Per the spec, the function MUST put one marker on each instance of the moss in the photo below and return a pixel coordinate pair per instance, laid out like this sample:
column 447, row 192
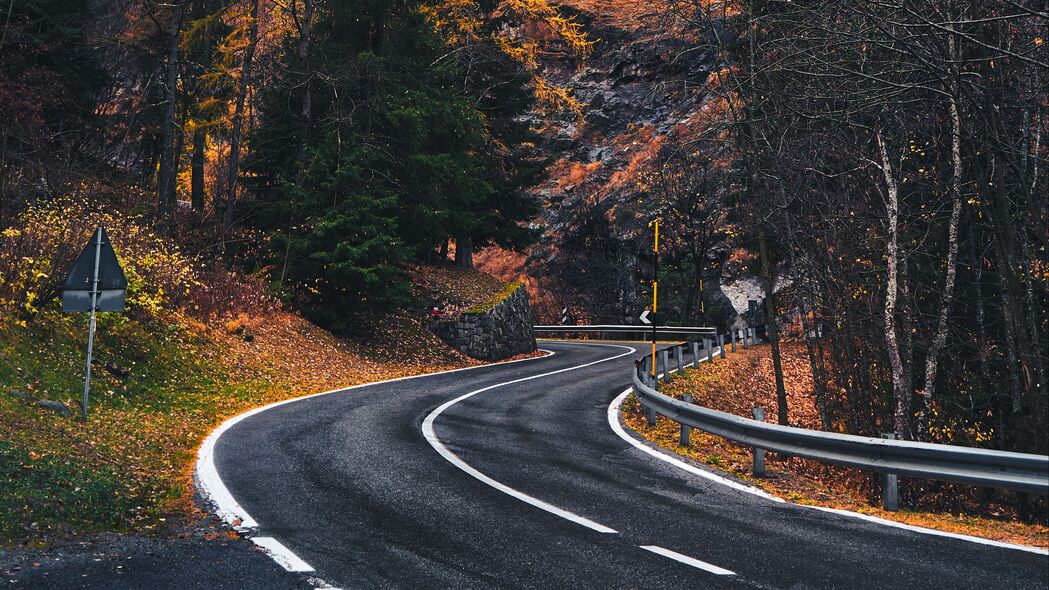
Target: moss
column 504, row 293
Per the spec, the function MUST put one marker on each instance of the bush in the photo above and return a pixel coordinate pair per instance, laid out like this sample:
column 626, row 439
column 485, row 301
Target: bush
column 39, row 247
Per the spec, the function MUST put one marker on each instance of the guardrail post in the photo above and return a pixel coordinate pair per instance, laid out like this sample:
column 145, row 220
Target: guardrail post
column 743, row 339
column 695, row 352
column 721, row 344
column 759, row 454
column 733, row 334
column 679, row 352
column 890, row 490
column 686, row 430
column 666, row 366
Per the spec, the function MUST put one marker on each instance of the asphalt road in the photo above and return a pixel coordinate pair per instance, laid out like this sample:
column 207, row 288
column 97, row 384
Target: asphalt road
column 349, row 483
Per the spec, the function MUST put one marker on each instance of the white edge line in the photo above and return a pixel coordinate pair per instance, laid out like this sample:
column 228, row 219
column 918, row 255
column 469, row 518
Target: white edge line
column 435, row 442
column 709, row 567
column 281, row 554
column 613, row 421
column 928, row 531
column 215, row 495
column 214, row 492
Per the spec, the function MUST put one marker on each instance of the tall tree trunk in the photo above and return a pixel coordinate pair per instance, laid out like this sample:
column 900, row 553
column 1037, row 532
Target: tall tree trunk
column 947, row 294
column 768, row 282
column 306, row 106
column 818, row 378
column 464, row 252
column 905, row 308
column 168, row 157
column 901, row 395
column 196, row 170
column 238, row 115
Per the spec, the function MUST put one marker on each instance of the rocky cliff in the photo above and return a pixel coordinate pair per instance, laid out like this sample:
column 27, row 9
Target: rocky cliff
column 645, row 93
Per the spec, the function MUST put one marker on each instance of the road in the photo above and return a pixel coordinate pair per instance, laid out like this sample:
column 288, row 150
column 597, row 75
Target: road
column 510, row 476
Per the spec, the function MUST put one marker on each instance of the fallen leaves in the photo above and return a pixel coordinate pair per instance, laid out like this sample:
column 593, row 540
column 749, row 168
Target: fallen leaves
column 744, row 380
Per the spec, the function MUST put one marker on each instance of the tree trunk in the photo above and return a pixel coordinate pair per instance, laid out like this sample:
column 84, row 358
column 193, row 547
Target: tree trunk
column 168, row 157
column 818, row 379
column 196, row 183
column 238, row 115
column 464, row 252
column 306, row 107
column 947, row 295
column 773, row 330
column 901, row 395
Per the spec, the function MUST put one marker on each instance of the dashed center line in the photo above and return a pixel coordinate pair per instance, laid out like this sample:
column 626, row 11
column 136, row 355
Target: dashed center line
column 708, row 567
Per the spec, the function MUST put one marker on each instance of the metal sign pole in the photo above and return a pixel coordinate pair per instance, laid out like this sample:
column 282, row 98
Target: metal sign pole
column 91, row 324
column 655, row 303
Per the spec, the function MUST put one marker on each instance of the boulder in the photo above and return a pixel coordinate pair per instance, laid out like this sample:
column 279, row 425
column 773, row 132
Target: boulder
column 56, row 407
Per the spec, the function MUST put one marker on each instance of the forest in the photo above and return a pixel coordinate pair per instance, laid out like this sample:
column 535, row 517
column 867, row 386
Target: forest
column 881, row 169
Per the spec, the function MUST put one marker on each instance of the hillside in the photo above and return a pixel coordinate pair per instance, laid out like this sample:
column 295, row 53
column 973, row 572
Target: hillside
column 645, row 100
column 164, row 376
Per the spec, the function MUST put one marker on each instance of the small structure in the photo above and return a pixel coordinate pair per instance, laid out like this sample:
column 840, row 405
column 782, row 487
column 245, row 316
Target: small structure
column 497, row 329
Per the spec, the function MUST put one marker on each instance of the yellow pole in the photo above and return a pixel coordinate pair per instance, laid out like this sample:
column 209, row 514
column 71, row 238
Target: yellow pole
column 702, row 306
column 655, row 294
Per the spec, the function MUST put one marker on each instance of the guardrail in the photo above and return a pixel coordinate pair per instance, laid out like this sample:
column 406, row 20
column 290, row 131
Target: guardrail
column 627, row 329
column 981, row 467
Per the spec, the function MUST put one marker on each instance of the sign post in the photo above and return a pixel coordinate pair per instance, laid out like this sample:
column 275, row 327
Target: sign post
column 655, row 296
column 95, row 283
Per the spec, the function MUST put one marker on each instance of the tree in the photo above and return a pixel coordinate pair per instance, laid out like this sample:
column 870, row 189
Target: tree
column 390, row 157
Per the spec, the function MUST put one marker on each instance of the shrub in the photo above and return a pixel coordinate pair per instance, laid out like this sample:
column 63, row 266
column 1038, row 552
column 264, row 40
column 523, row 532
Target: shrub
column 39, row 247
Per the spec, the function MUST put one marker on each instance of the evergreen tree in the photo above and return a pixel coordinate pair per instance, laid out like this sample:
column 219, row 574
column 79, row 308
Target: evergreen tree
column 395, row 158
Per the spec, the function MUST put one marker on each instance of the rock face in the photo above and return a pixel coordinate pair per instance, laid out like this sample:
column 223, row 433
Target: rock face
column 503, row 331
column 56, row 407
column 644, row 95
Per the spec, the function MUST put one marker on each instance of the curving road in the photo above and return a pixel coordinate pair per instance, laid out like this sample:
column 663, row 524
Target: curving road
column 511, row 476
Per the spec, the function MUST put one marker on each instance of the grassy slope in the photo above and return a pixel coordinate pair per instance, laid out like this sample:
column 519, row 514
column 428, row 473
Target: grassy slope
column 745, row 380
column 129, row 468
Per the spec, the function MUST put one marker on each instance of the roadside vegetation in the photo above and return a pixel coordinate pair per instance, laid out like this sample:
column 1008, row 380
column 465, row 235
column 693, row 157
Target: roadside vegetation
column 744, row 380
column 194, row 347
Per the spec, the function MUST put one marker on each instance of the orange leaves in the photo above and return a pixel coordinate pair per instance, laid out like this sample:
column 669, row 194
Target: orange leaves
column 745, row 380
column 461, row 22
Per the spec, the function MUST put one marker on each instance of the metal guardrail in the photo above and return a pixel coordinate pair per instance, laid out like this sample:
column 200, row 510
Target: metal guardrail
column 981, row 467
column 626, row 329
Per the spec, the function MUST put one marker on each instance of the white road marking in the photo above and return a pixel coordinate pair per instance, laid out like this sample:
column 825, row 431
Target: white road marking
column 928, row 531
column 281, row 554
column 613, row 421
column 216, row 495
column 454, row 459
column 709, row 567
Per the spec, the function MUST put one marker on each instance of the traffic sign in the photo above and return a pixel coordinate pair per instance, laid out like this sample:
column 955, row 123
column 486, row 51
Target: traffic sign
column 78, row 288
column 644, row 317
column 95, row 283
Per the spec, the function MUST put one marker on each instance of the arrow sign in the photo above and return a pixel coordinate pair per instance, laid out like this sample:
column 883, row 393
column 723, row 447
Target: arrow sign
column 644, row 317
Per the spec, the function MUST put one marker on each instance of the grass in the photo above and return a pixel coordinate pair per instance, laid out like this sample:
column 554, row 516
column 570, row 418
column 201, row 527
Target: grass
column 507, row 290
column 60, row 495
column 124, row 468
column 170, row 380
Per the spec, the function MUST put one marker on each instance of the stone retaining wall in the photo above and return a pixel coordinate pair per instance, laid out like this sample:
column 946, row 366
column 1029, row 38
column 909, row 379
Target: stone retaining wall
column 503, row 331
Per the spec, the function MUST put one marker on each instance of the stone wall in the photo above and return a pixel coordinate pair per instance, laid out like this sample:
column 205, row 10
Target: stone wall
column 496, row 333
